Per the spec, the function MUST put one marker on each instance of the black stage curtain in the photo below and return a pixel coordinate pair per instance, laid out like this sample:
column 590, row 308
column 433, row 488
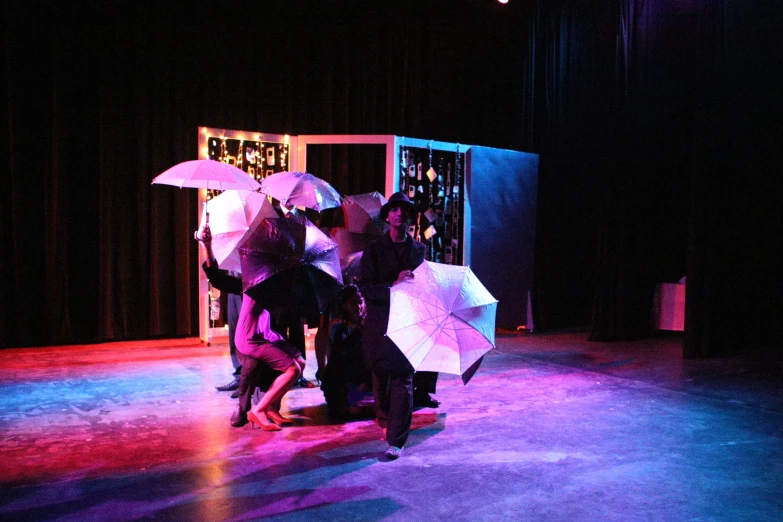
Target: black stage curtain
column 655, row 121
column 102, row 96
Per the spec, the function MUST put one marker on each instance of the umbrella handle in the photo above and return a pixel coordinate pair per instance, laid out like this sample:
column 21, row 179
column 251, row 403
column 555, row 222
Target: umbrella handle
column 206, row 203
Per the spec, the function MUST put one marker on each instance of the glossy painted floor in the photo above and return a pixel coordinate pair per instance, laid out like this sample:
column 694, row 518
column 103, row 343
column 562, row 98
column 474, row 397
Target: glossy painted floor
column 551, row 428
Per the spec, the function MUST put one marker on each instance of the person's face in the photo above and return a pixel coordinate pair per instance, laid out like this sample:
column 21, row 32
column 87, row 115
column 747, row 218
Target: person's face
column 398, row 217
column 354, row 308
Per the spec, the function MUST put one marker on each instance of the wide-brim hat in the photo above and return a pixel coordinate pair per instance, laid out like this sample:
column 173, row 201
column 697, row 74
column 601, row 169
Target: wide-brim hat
column 398, row 199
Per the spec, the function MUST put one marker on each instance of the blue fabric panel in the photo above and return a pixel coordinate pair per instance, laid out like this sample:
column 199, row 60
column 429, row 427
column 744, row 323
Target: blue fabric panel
column 502, row 188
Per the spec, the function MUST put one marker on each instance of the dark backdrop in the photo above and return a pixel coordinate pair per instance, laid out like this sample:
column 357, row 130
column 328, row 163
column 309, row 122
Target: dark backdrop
column 656, row 122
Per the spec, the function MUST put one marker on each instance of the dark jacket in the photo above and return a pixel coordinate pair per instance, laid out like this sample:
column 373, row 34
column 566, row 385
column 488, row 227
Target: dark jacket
column 380, row 267
column 221, row 279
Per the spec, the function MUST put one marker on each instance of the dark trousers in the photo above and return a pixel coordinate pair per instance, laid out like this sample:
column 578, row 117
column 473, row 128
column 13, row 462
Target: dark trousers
column 394, row 405
column 292, row 329
column 296, row 336
column 424, row 383
column 255, row 374
column 232, row 316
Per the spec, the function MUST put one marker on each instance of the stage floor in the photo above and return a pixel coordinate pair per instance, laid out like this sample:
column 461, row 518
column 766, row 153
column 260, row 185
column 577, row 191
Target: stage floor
column 552, row 427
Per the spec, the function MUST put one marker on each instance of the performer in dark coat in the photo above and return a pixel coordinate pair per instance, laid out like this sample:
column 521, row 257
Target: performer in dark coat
column 389, row 260
column 232, row 287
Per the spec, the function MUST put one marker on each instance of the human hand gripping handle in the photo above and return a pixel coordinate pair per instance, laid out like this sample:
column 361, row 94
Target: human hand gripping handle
column 204, row 236
column 405, row 276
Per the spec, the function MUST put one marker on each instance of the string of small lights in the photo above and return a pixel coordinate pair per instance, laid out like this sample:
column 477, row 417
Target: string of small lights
column 257, row 158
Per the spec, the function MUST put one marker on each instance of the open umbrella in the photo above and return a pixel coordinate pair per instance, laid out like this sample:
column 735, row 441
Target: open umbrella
column 301, row 189
column 350, row 246
column 351, row 267
column 235, row 214
column 207, row 174
column 290, row 263
column 443, row 320
column 349, row 242
column 362, row 213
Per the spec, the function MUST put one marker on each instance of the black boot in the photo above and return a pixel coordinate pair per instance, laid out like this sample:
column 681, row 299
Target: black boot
column 233, row 385
column 238, row 418
column 424, row 401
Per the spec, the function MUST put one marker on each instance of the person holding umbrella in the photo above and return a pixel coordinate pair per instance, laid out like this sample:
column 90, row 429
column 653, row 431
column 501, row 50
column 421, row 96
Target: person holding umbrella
column 387, row 261
column 268, row 361
column 232, row 286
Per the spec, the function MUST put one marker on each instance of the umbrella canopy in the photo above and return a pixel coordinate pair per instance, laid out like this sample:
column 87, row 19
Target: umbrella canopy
column 443, row 320
column 301, row 189
column 351, row 267
column 348, row 242
column 350, row 247
column 208, row 174
column 363, row 213
column 234, row 214
column 290, row 263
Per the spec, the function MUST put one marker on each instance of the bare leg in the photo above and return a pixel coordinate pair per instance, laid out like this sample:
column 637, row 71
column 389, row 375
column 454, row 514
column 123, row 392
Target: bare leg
column 273, row 414
column 279, row 387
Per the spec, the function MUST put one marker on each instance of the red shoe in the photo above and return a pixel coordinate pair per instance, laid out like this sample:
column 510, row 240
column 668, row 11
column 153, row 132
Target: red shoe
column 278, row 419
column 264, row 425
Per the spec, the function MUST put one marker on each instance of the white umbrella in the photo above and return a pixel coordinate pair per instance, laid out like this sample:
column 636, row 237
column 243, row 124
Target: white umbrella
column 443, row 320
column 233, row 216
column 363, row 213
column 207, row 174
column 301, row 189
